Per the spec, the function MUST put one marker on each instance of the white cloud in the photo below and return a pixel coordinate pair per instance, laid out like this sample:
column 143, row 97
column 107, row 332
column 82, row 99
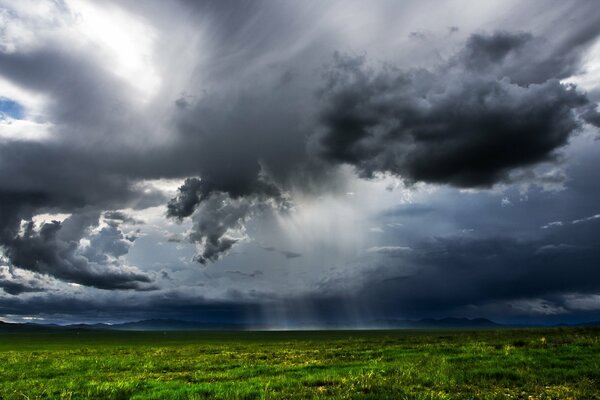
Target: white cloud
column 24, row 130
column 389, row 250
column 125, row 39
column 593, row 217
column 552, row 224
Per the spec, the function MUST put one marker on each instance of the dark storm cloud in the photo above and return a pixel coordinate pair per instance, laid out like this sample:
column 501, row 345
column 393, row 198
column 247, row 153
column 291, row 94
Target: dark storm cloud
column 454, row 275
column 82, row 167
column 483, row 53
column 250, row 114
column 54, row 250
column 449, row 276
column 189, row 195
column 525, row 58
column 17, row 288
column 36, row 178
column 215, row 217
column 84, row 95
column 215, row 213
column 267, row 125
column 468, row 123
column 504, row 265
column 497, row 263
column 88, row 161
column 170, row 305
column 16, row 285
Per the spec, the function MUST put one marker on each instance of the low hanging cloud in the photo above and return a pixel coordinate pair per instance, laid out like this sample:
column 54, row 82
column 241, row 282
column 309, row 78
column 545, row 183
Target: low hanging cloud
column 218, row 224
column 14, row 284
column 468, row 123
column 218, row 217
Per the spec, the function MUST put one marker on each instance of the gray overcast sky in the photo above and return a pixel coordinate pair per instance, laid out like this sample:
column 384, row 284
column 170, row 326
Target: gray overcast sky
column 299, row 163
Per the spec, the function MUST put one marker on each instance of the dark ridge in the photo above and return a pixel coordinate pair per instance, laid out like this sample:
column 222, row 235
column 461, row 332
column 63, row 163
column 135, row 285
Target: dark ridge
column 182, row 325
column 439, row 323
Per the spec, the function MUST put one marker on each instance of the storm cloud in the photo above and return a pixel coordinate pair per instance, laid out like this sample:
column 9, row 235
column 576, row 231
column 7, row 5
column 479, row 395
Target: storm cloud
column 468, row 123
column 54, row 250
column 15, row 285
column 321, row 161
column 218, row 217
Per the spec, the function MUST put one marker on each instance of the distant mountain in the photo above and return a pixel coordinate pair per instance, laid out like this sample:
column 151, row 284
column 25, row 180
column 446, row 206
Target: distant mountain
column 431, row 323
column 16, row 328
column 181, row 325
column 88, row 326
column 173, row 325
column 590, row 323
column 458, row 323
column 144, row 325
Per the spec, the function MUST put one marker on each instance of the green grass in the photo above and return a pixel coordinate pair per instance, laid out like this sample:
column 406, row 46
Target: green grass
column 558, row 363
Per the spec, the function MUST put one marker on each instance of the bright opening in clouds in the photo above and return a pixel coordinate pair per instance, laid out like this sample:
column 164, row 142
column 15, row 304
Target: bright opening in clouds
column 299, row 163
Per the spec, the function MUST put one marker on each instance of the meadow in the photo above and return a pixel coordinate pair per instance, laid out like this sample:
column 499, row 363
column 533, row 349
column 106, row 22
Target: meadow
column 549, row 363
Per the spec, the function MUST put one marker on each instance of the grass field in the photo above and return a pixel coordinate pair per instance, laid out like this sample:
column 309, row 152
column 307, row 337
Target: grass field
column 558, row 363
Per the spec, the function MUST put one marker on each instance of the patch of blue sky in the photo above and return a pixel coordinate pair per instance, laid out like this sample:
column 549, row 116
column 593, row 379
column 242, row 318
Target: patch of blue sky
column 10, row 108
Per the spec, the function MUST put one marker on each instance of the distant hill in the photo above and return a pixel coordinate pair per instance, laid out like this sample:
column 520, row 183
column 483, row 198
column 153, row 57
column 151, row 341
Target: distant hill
column 98, row 327
column 173, row 325
column 16, row 328
column 590, row 323
column 431, row 323
column 181, row 325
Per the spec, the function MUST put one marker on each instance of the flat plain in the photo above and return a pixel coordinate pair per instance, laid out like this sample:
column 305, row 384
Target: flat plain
column 540, row 363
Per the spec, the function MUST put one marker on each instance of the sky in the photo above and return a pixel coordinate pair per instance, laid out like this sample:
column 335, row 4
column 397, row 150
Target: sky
column 294, row 164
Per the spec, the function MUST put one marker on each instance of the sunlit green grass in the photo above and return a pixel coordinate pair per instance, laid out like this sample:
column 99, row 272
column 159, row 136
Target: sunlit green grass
column 523, row 364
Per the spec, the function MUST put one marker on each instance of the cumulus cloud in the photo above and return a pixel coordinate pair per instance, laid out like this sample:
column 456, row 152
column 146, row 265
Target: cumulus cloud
column 218, row 224
column 468, row 123
column 16, row 288
column 15, row 284
column 218, row 217
column 55, row 250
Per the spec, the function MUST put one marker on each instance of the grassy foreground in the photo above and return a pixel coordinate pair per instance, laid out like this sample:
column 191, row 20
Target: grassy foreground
column 559, row 363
